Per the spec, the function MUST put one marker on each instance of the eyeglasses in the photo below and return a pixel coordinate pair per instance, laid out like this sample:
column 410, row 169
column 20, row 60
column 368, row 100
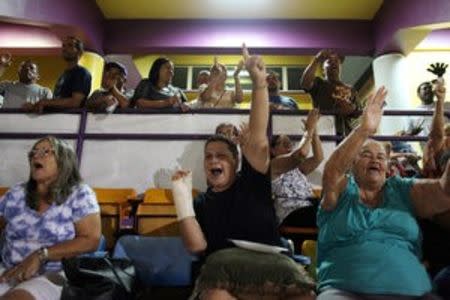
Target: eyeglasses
column 40, row 153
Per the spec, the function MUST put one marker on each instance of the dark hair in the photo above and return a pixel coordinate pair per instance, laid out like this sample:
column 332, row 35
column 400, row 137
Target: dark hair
column 28, row 61
column 276, row 74
column 68, row 174
column 421, row 85
column 116, row 65
column 274, row 140
column 78, row 43
column 153, row 74
column 223, row 139
column 222, row 125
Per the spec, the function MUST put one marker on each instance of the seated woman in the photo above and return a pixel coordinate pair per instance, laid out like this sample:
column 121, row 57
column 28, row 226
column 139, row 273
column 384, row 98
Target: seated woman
column 238, row 205
column 291, row 189
column 369, row 239
column 216, row 95
column 51, row 216
column 157, row 91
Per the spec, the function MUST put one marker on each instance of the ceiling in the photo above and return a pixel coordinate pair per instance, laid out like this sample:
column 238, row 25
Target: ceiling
column 240, row 9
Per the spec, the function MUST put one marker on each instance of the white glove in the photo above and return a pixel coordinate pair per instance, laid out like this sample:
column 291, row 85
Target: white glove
column 182, row 194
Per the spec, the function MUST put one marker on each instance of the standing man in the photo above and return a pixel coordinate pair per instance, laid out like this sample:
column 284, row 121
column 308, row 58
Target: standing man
column 330, row 93
column 74, row 85
column 25, row 92
column 426, row 92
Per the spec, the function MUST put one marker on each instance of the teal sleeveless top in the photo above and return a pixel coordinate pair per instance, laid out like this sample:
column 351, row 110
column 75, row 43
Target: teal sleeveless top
column 372, row 250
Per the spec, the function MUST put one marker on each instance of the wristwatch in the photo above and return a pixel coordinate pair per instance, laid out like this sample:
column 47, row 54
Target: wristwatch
column 43, row 255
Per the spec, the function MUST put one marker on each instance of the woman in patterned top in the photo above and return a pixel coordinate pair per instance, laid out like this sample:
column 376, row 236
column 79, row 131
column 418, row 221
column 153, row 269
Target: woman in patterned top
column 51, row 216
column 290, row 187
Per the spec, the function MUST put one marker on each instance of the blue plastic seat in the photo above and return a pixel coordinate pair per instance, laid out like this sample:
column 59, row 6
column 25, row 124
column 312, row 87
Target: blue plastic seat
column 159, row 261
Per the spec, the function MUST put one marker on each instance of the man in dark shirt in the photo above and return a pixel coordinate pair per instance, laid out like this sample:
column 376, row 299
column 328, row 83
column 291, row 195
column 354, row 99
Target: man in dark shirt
column 330, row 93
column 277, row 101
column 74, row 85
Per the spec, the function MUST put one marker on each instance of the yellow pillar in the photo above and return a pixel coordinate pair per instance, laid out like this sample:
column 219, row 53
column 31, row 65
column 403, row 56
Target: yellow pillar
column 94, row 63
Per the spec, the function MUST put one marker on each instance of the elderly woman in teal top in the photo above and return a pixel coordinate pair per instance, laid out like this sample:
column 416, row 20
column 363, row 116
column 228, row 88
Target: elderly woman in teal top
column 369, row 240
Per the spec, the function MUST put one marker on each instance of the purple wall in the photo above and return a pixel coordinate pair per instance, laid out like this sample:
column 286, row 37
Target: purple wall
column 17, row 39
column 81, row 18
column 437, row 39
column 399, row 14
column 295, row 37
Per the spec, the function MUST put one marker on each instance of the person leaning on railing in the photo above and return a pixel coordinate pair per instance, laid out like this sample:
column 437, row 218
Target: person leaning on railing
column 74, row 85
column 157, row 92
column 112, row 93
column 24, row 92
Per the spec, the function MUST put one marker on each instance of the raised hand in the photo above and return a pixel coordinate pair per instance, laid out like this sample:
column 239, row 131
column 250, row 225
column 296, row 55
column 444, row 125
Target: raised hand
column 182, row 194
column 218, row 73
column 438, row 69
column 439, row 89
column 110, row 100
column 244, row 132
column 311, row 121
column 373, row 111
column 239, row 68
column 323, row 55
column 255, row 67
column 5, row 59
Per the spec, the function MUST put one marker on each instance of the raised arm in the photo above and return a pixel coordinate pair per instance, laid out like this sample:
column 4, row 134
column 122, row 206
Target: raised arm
column 311, row 163
column 215, row 79
column 436, row 141
column 426, row 206
column 298, row 157
column 307, row 80
column 5, row 62
column 341, row 159
column 190, row 230
column 238, row 94
column 256, row 150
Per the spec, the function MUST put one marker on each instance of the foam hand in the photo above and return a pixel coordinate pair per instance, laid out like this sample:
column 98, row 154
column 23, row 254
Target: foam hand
column 438, row 69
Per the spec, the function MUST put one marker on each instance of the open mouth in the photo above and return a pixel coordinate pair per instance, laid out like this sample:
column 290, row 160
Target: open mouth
column 374, row 169
column 216, row 171
column 37, row 165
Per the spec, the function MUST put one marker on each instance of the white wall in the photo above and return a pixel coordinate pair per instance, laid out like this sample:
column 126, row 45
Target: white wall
column 132, row 163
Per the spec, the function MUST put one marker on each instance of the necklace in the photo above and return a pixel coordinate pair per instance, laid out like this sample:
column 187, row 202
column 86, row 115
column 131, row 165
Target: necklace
column 220, row 98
